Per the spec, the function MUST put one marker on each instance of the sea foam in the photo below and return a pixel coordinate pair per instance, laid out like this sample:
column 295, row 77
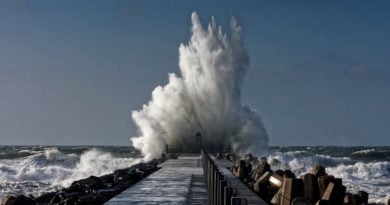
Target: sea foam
column 51, row 169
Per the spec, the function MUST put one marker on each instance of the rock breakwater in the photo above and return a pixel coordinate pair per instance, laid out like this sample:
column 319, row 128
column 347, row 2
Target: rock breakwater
column 89, row 191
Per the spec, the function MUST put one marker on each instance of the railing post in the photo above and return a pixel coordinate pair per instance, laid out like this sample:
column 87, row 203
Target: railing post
column 239, row 201
column 218, row 188
column 219, row 178
column 215, row 186
column 222, row 185
column 229, row 193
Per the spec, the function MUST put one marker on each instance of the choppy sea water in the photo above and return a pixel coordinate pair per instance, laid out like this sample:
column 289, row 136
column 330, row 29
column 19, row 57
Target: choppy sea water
column 361, row 168
column 38, row 169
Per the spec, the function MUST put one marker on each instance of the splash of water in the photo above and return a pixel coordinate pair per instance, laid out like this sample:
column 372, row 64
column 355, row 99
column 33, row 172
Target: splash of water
column 206, row 98
column 51, row 169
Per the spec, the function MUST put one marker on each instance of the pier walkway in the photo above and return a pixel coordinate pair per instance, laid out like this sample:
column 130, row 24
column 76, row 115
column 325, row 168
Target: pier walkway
column 179, row 181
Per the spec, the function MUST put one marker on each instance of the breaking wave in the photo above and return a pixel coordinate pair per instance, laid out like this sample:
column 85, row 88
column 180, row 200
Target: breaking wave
column 51, row 169
column 206, row 97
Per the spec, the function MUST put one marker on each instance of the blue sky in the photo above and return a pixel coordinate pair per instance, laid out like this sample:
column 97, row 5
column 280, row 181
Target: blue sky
column 71, row 72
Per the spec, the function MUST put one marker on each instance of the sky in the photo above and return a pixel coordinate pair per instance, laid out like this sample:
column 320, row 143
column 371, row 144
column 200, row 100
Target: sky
column 71, row 72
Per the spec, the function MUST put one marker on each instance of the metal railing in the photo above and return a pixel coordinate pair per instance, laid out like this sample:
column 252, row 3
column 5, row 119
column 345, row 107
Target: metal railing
column 172, row 148
column 219, row 188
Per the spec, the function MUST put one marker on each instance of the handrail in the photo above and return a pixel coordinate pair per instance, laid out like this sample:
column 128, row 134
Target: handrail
column 211, row 148
column 219, row 188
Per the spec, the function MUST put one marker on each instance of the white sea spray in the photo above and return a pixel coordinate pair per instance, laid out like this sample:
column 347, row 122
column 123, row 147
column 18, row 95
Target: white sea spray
column 51, row 169
column 205, row 97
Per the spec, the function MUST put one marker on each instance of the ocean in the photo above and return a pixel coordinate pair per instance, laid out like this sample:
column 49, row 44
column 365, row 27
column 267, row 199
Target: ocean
column 39, row 169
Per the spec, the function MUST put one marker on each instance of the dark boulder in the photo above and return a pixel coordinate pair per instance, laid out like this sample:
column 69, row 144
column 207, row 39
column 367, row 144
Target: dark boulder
column 18, row 200
column 91, row 199
column 45, row 198
column 7, row 200
column 23, row 200
column 87, row 185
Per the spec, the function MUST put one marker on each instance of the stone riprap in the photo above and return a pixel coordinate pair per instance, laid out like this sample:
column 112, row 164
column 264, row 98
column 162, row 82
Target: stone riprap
column 282, row 187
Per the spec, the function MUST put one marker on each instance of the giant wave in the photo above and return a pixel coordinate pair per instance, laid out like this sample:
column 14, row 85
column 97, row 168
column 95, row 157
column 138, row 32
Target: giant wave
column 206, row 97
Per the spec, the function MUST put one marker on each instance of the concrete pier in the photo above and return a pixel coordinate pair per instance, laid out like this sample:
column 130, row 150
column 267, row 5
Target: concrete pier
column 182, row 181
column 179, row 181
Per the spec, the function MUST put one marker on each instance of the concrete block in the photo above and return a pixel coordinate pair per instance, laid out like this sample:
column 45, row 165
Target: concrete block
column 363, row 197
column 275, row 162
column 347, row 199
column 288, row 174
column 260, row 170
column 265, row 177
column 276, row 180
column 334, row 194
column 311, row 190
column 341, row 190
column 323, row 182
column 301, row 201
column 323, row 202
column 242, row 169
column 291, row 189
column 260, row 186
column 356, row 199
column 279, row 172
column 318, row 170
column 276, row 198
column 235, row 170
column 338, row 181
column 329, row 192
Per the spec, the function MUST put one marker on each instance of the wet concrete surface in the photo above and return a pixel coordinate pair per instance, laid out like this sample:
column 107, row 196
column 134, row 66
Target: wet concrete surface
column 179, row 181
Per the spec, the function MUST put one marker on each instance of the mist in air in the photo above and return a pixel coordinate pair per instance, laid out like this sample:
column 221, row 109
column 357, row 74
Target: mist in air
column 205, row 97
